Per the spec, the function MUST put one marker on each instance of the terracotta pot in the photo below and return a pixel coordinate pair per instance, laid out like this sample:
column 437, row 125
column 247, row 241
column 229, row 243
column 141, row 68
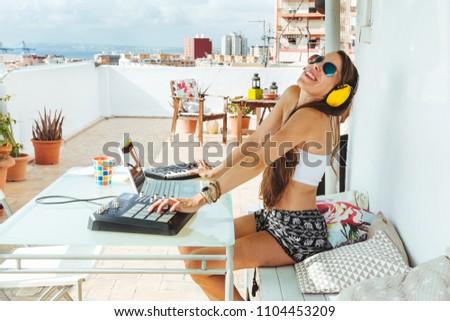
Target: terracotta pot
column 3, row 173
column 18, row 171
column 4, row 151
column 186, row 126
column 4, row 165
column 46, row 152
column 233, row 121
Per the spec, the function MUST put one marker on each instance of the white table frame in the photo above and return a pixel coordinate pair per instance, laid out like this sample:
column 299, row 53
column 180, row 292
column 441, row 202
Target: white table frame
column 216, row 218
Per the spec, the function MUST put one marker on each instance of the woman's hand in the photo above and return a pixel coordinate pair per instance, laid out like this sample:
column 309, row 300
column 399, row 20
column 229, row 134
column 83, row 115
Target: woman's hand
column 175, row 204
column 204, row 170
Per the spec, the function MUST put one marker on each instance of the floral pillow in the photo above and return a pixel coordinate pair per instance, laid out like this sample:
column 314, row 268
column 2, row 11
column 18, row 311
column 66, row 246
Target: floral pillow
column 346, row 223
column 185, row 88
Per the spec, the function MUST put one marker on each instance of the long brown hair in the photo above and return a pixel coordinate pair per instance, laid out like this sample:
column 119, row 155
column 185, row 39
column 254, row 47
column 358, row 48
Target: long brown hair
column 279, row 173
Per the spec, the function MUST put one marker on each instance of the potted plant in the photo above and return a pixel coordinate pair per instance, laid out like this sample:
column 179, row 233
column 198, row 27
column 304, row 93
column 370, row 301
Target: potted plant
column 5, row 146
column 47, row 137
column 17, row 172
column 233, row 119
column 6, row 161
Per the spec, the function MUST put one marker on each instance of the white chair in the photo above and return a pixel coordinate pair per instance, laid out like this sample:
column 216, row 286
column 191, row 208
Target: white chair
column 57, row 285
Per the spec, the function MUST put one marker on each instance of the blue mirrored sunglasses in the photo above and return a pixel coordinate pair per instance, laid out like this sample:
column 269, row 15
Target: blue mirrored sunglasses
column 328, row 68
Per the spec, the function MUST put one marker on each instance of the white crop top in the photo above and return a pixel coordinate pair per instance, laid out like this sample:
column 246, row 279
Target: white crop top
column 310, row 168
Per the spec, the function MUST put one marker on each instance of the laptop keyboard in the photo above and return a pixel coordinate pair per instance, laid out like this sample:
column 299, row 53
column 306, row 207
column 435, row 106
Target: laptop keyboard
column 160, row 189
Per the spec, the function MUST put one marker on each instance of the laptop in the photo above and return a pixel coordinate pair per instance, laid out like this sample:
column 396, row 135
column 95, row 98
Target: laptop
column 129, row 212
column 149, row 185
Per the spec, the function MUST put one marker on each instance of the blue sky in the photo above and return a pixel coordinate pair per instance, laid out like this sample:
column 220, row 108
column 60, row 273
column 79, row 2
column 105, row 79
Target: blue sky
column 155, row 23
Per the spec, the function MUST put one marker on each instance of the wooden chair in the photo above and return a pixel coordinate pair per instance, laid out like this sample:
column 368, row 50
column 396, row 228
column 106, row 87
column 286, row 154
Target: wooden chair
column 189, row 104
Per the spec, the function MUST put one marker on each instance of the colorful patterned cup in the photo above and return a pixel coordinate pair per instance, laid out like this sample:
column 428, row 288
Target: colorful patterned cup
column 103, row 170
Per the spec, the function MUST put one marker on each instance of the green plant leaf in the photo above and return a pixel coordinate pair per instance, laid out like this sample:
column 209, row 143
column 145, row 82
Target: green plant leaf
column 48, row 127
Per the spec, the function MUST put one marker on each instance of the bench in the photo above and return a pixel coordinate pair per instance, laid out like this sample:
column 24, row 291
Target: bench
column 279, row 284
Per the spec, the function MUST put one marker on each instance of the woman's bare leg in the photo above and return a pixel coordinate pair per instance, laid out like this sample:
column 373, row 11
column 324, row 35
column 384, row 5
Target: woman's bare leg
column 257, row 249
column 243, row 225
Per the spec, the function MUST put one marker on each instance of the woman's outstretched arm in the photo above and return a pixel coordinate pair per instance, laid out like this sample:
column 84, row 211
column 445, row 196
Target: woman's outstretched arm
column 256, row 140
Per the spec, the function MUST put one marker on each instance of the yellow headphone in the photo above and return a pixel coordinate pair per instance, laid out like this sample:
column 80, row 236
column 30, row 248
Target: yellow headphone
column 339, row 95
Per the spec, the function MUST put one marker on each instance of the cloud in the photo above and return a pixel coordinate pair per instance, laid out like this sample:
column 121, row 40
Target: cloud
column 146, row 22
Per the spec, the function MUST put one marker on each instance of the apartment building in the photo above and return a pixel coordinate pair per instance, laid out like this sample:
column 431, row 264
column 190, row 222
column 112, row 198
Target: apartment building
column 234, row 44
column 198, row 47
column 300, row 30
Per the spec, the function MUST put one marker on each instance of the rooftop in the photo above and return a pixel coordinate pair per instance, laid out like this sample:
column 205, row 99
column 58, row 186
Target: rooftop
column 399, row 122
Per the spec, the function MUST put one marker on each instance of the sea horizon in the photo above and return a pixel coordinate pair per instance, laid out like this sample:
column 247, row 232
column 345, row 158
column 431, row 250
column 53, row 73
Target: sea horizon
column 88, row 54
column 87, row 51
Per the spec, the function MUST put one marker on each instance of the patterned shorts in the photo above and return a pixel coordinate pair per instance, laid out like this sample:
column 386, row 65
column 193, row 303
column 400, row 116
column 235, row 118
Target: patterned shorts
column 300, row 233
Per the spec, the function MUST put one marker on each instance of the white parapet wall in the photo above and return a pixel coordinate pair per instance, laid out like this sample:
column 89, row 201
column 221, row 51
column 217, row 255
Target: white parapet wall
column 86, row 93
column 145, row 90
column 73, row 88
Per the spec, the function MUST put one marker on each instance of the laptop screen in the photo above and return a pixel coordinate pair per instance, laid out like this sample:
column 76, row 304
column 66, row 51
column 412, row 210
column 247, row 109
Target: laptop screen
column 137, row 172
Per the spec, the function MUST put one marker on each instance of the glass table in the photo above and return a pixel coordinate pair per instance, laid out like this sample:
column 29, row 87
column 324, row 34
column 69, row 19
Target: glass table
column 66, row 224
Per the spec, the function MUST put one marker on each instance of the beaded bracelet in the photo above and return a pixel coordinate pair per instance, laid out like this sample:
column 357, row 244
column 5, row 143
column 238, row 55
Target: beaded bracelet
column 217, row 189
column 212, row 192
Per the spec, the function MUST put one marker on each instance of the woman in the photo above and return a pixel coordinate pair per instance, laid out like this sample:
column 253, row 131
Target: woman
column 291, row 148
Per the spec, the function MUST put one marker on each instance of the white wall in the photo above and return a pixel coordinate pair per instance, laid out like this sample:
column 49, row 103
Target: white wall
column 72, row 88
column 399, row 133
column 86, row 93
column 145, row 90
